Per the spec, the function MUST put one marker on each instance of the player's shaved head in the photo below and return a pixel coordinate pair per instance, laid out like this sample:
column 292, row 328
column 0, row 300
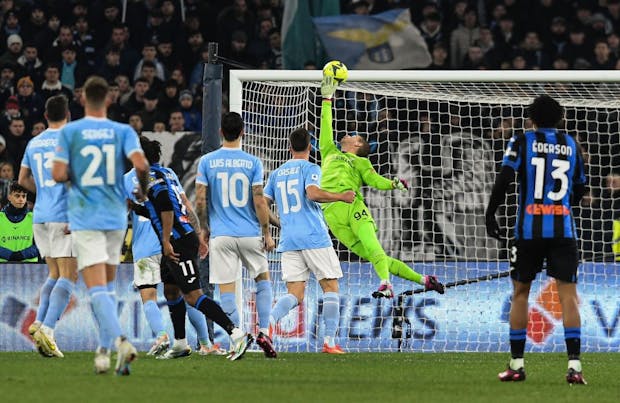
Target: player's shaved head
column 56, row 108
column 232, row 126
column 546, row 112
column 299, row 139
column 151, row 148
column 96, row 91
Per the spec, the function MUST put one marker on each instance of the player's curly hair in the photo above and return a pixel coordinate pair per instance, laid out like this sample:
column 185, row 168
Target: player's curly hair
column 151, row 148
column 546, row 112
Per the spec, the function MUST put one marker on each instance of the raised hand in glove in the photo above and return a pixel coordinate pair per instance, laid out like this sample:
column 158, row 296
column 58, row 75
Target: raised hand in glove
column 328, row 87
column 400, row 184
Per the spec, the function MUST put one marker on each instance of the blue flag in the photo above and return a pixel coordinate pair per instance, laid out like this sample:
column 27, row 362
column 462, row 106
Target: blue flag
column 385, row 41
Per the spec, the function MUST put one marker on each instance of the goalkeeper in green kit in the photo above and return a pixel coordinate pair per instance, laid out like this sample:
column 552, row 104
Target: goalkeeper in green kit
column 352, row 224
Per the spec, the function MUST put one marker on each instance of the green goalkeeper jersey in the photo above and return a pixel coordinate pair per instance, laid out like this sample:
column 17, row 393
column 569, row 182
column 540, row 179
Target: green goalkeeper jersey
column 344, row 171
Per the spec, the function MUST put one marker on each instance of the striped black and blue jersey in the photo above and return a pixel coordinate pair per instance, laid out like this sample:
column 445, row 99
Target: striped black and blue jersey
column 549, row 164
column 163, row 195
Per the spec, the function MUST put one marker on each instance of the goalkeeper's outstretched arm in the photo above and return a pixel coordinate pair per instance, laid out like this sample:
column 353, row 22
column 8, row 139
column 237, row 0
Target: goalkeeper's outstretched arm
column 373, row 179
column 326, row 137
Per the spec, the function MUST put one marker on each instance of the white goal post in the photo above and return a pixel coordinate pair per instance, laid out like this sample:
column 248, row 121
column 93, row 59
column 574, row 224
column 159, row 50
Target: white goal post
column 444, row 132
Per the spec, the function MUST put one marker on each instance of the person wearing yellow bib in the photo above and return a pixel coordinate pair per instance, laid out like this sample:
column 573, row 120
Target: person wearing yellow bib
column 16, row 235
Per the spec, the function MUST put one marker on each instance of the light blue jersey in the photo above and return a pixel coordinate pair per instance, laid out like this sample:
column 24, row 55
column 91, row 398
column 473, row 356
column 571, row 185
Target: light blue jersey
column 144, row 241
column 95, row 150
column 301, row 219
column 51, row 202
column 229, row 174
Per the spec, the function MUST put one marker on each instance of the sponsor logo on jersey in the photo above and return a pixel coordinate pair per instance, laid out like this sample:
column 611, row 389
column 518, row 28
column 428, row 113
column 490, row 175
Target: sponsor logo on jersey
column 546, row 209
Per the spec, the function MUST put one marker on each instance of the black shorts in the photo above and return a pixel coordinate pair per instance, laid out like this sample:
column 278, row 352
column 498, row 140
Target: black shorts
column 527, row 258
column 185, row 274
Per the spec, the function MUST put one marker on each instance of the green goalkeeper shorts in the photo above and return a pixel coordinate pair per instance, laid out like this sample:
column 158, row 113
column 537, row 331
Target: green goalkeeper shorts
column 344, row 220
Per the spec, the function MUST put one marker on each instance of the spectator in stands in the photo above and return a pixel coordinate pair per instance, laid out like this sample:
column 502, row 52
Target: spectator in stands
column 111, row 66
column 37, row 22
column 44, row 38
column 11, row 110
column 577, row 47
column 532, row 52
column 86, row 38
column 14, row 50
column 135, row 102
column 37, row 128
column 169, row 98
column 135, row 121
column 11, row 25
column 64, row 40
column 31, row 104
column 7, row 82
column 124, row 88
column 560, row 63
column 155, row 28
column 166, row 54
column 7, row 176
column 16, row 139
column 474, row 58
column 235, row 17
column 431, row 30
column 30, row 63
column 463, row 37
column 76, row 104
column 558, row 37
column 107, row 24
column 149, row 53
column 599, row 26
column 275, row 51
column 118, row 39
column 191, row 52
column 613, row 41
column 115, row 111
column 73, row 72
column 191, row 115
column 258, row 47
column 176, row 122
column 195, row 79
column 237, row 48
column 179, row 78
column 613, row 14
column 440, row 58
column 602, row 59
column 149, row 72
column 505, row 38
column 150, row 113
column 51, row 85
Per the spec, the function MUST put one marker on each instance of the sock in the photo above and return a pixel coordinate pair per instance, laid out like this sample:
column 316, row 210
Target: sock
column 105, row 315
column 58, row 301
column 111, row 287
column 44, row 298
column 517, row 343
column 264, row 300
column 153, row 317
column 282, row 307
column 400, row 269
column 574, row 364
column 212, row 310
column 177, row 316
column 199, row 322
column 376, row 254
column 572, row 338
column 230, row 307
column 331, row 316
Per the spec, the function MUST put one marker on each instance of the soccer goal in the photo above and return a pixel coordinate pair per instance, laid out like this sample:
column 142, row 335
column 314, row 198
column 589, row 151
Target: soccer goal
column 445, row 132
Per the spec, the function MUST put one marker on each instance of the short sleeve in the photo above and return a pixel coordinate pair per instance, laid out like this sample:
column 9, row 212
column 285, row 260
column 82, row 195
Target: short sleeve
column 131, row 143
column 312, row 176
column 201, row 172
column 26, row 159
column 268, row 191
column 62, row 148
column 257, row 177
column 512, row 156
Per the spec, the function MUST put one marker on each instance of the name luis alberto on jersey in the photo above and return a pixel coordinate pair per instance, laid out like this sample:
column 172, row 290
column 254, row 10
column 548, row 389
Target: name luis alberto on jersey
column 230, row 163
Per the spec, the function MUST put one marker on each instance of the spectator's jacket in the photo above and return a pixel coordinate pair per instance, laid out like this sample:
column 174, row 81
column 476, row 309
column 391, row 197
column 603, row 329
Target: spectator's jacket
column 16, row 235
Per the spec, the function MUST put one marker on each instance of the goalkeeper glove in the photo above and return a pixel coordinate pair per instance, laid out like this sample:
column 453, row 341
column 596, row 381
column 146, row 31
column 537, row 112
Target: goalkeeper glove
column 400, row 184
column 328, row 87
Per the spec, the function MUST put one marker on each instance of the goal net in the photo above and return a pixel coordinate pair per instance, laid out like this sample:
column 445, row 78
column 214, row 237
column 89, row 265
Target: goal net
column 445, row 133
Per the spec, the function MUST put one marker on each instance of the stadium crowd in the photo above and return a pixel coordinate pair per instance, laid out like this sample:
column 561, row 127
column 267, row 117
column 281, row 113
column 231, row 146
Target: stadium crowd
column 152, row 53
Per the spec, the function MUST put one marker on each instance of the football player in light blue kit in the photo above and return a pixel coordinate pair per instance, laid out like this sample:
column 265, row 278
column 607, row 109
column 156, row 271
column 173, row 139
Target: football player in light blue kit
column 238, row 215
column 146, row 251
column 50, row 226
column 304, row 240
column 91, row 154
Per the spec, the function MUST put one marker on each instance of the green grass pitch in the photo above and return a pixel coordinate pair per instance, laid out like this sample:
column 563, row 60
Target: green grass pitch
column 370, row 377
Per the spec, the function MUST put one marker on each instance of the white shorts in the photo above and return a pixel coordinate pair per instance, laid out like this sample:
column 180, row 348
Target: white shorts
column 323, row 262
column 147, row 271
column 227, row 254
column 51, row 239
column 93, row 247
